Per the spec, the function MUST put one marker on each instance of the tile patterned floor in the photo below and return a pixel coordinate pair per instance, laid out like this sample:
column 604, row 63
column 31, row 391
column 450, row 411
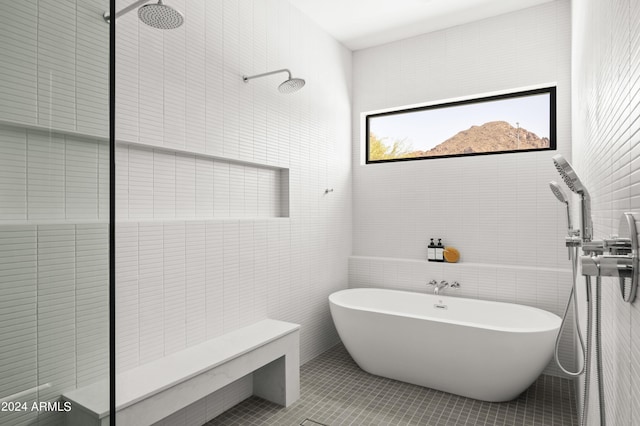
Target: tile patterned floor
column 335, row 391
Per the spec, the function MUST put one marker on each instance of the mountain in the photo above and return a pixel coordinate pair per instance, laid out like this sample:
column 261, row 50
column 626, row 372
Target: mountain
column 491, row 136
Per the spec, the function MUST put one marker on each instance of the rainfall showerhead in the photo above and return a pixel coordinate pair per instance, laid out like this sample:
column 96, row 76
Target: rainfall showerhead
column 574, row 183
column 290, row 85
column 156, row 15
column 160, row 16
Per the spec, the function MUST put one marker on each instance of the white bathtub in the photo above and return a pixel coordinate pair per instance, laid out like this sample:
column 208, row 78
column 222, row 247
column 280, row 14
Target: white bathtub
column 484, row 350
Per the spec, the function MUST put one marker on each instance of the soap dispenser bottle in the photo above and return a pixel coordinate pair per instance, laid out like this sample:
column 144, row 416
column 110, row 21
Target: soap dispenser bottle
column 439, row 251
column 431, row 251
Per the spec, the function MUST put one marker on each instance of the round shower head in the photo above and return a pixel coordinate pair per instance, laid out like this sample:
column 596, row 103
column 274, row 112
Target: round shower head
column 558, row 192
column 568, row 174
column 160, row 16
column 291, row 85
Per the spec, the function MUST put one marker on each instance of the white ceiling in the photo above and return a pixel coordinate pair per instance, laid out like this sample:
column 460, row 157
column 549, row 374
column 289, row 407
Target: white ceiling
column 359, row 24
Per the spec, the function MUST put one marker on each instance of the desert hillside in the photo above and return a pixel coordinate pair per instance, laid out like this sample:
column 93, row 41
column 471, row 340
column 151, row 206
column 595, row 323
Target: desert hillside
column 491, row 136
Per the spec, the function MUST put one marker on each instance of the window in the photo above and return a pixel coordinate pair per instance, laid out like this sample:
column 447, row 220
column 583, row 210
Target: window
column 506, row 123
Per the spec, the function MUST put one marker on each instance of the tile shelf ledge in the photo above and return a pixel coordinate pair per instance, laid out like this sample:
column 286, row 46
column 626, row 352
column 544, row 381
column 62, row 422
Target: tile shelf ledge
column 203, row 219
column 123, row 142
column 53, row 130
column 184, row 151
column 43, row 222
column 460, row 264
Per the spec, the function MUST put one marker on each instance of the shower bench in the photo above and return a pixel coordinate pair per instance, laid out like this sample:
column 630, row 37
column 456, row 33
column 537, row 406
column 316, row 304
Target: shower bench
column 150, row 392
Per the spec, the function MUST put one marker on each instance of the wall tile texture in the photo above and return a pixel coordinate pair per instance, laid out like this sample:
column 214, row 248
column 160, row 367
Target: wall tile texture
column 496, row 209
column 606, row 155
column 54, row 186
column 202, row 247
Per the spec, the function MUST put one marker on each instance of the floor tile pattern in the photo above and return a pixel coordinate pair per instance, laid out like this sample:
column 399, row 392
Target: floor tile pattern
column 335, row 391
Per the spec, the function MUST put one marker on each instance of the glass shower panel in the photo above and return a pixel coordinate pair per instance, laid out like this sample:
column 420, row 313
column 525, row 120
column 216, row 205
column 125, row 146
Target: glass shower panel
column 54, row 205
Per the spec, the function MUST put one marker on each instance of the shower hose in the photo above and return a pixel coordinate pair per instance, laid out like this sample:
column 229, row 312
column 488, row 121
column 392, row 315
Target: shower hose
column 586, row 351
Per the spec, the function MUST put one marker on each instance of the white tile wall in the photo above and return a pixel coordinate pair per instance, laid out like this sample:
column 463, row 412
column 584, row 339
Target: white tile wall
column 54, row 298
column 150, row 291
column 174, row 263
column 161, row 184
column 127, row 296
column 46, row 179
column 92, row 68
column 55, row 65
column 228, row 231
column 19, row 83
column 18, row 304
column 81, row 178
column 92, row 307
column 13, row 173
column 195, row 282
column 497, row 210
column 606, row 100
column 54, row 174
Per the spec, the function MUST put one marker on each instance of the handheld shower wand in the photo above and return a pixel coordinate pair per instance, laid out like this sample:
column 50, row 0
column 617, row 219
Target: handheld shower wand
column 572, row 243
column 613, row 257
column 575, row 185
column 573, row 236
column 561, row 196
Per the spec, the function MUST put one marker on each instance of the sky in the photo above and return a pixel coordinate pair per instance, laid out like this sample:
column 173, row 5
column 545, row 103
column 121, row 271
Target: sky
column 427, row 128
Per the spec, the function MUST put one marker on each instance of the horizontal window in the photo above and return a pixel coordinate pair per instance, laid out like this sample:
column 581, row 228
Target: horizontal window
column 506, row 123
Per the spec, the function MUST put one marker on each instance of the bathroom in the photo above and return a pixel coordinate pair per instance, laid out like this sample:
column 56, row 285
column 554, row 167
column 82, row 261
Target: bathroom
column 231, row 203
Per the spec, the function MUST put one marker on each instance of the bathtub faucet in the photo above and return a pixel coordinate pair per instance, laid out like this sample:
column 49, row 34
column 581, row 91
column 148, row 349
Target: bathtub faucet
column 438, row 286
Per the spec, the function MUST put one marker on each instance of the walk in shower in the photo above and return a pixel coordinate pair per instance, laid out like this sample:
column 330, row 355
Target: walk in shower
column 54, row 205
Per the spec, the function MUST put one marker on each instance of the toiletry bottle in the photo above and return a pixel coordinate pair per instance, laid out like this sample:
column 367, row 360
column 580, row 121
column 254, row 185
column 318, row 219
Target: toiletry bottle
column 431, row 251
column 439, row 251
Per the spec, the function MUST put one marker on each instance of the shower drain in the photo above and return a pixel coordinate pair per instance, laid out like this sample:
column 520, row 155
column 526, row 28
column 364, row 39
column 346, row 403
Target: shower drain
column 309, row 422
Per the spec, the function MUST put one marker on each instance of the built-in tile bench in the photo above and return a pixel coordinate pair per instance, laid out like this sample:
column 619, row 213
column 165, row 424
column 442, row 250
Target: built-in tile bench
column 146, row 394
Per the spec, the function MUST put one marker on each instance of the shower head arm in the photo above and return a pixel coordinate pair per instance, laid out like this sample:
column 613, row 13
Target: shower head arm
column 126, row 10
column 246, row 78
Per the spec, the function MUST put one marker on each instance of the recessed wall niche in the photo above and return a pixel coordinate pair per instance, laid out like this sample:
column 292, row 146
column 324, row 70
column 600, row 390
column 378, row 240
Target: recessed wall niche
column 172, row 184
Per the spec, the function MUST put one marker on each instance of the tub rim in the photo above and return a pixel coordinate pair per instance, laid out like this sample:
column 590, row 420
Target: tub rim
column 549, row 316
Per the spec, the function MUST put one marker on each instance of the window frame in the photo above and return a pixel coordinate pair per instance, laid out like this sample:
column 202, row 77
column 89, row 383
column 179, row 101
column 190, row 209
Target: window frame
column 551, row 90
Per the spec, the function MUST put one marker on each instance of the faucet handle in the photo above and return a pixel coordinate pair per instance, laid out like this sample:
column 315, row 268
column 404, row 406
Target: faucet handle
column 455, row 284
column 433, row 282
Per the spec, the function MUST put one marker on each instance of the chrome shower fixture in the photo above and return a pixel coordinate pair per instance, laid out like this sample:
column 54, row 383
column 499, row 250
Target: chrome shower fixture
column 575, row 185
column 618, row 256
column 156, row 15
column 568, row 174
column 560, row 195
column 573, row 236
column 290, row 85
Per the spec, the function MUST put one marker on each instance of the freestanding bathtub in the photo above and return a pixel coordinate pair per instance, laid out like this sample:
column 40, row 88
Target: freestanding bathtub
column 484, row 350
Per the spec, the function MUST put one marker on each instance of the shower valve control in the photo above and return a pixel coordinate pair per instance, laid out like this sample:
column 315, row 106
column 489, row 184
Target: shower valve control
column 613, row 246
column 615, row 257
column 607, row 266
